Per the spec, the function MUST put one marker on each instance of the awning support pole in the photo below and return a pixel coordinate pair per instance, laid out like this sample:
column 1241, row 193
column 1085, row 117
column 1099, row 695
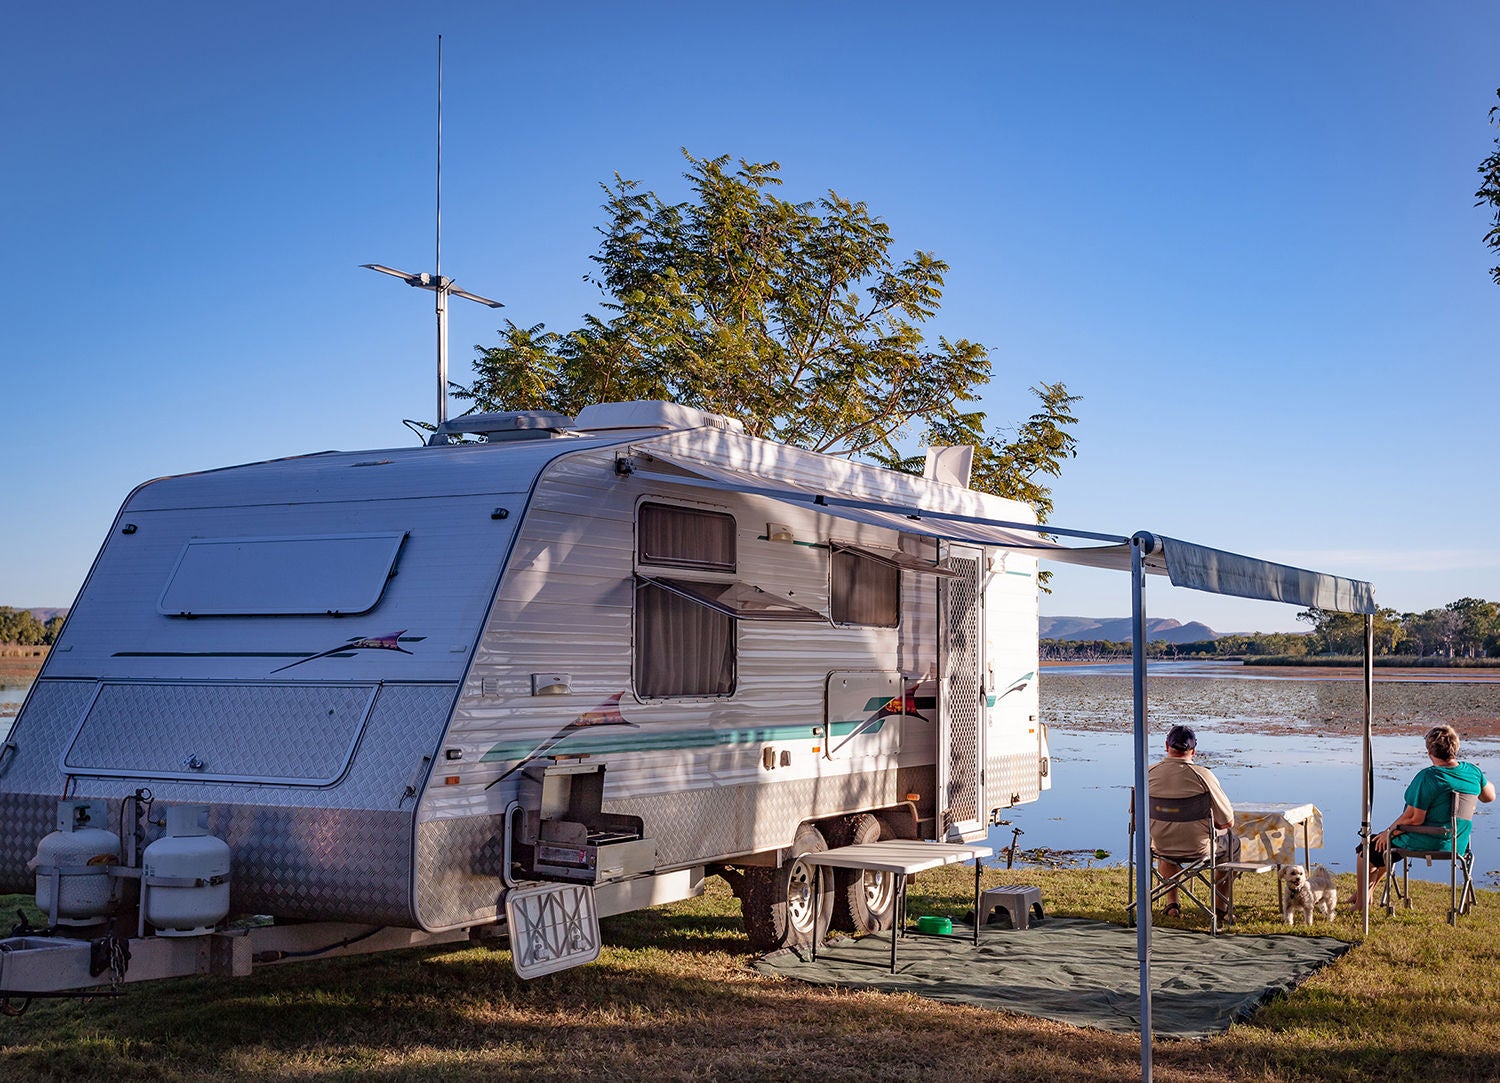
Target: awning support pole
column 1367, row 776
column 1140, row 546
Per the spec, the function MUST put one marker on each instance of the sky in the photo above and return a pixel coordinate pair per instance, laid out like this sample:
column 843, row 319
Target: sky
column 1244, row 234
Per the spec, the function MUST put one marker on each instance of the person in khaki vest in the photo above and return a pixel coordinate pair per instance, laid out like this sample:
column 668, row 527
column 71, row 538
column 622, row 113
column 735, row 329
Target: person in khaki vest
column 1178, row 776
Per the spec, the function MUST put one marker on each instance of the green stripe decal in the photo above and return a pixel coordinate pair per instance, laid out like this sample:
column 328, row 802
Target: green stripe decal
column 581, row 741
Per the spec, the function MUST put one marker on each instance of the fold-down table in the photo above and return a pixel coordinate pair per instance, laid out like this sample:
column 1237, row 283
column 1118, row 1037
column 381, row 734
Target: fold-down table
column 900, row 858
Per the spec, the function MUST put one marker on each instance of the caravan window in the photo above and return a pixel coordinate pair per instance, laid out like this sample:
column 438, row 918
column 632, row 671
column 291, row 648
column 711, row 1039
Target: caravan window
column 864, row 590
column 686, row 537
column 682, row 648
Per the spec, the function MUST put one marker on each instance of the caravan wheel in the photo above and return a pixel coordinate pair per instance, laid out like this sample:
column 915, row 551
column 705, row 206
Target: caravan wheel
column 866, row 900
column 777, row 903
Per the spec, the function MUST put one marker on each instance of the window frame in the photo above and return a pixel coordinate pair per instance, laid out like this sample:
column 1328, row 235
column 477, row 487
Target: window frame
column 838, row 613
column 651, row 506
column 718, row 572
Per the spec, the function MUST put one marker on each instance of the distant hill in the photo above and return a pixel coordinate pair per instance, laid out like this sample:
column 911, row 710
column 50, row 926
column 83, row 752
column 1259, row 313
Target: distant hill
column 1117, row 629
column 44, row 615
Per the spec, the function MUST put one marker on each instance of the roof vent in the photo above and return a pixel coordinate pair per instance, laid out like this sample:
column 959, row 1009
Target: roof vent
column 510, row 425
column 652, row 414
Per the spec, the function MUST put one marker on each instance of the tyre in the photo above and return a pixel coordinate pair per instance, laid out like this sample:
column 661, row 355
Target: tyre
column 865, row 901
column 777, row 904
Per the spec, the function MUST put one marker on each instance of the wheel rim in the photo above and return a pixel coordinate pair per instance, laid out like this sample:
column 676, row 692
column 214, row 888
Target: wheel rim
column 799, row 908
column 880, row 890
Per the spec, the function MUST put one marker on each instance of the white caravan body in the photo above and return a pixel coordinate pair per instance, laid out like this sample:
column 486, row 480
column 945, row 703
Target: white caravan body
column 375, row 668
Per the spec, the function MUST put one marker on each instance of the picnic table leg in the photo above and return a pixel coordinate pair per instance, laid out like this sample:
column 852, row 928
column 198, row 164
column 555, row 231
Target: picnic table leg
column 976, row 902
column 898, row 926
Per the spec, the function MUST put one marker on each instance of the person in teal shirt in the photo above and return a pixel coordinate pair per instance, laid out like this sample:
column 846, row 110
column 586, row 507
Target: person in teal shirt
column 1429, row 801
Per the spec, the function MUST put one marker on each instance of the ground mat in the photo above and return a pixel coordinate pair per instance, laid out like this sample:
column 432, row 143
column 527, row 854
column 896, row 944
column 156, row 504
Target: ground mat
column 1077, row 971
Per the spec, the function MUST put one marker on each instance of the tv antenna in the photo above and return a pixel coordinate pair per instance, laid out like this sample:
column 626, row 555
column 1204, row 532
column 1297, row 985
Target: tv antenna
column 440, row 286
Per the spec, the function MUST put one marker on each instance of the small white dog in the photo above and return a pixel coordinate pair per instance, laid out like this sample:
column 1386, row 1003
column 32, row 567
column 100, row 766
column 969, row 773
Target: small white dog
column 1306, row 893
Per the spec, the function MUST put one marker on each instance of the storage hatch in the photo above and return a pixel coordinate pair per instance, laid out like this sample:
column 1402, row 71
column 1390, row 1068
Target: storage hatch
column 312, row 574
column 292, row 734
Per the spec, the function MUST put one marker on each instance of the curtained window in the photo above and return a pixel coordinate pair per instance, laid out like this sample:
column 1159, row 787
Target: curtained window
column 683, row 647
column 864, row 590
column 686, row 538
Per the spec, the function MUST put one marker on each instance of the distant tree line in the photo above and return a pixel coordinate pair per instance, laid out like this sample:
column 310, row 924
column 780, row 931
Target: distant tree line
column 1467, row 628
column 21, row 627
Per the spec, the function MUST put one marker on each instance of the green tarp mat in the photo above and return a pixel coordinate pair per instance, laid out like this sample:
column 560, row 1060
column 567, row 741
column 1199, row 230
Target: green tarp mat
column 1077, row 971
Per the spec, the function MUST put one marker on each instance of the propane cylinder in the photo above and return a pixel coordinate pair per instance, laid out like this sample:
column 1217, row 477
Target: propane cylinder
column 80, row 856
column 185, row 875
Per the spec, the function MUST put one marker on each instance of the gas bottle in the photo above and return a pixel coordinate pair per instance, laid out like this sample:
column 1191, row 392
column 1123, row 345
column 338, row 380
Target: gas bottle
column 185, row 875
column 76, row 859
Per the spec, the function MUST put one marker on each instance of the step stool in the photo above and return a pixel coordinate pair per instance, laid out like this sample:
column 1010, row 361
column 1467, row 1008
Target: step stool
column 1023, row 904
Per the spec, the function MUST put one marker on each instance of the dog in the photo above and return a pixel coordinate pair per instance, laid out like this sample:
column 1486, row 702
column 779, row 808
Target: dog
column 1306, row 893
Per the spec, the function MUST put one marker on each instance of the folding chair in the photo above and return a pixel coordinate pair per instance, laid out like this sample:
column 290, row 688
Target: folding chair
column 1201, row 872
column 1460, row 866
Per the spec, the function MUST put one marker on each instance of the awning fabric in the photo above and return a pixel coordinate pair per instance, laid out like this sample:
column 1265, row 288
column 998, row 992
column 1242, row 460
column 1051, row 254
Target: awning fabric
column 1187, row 564
column 896, row 558
column 742, row 601
column 1218, row 572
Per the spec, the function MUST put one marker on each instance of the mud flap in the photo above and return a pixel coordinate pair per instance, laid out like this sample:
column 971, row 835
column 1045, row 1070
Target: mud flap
column 552, row 927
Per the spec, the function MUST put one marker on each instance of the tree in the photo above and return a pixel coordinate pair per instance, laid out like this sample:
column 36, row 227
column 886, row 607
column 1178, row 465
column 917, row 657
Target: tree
column 1489, row 192
column 1344, row 633
column 791, row 317
column 1477, row 624
column 21, row 626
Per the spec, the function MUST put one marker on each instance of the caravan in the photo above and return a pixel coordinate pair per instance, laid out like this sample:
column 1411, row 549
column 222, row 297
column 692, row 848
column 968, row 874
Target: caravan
column 571, row 666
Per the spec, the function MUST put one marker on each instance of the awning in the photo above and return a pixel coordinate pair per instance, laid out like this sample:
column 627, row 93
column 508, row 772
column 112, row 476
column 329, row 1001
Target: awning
column 896, row 558
column 742, row 601
column 913, row 510
column 1218, row 572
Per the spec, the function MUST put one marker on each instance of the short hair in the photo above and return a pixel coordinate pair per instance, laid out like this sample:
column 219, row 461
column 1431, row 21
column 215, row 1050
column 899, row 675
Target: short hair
column 1442, row 743
column 1182, row 738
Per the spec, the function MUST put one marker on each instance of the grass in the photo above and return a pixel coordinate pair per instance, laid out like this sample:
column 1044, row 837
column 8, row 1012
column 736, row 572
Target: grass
column 672, row 998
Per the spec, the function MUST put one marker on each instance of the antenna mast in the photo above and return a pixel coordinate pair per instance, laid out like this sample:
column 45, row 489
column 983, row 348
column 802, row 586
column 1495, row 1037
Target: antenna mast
column 440, row 286
column 440, row 295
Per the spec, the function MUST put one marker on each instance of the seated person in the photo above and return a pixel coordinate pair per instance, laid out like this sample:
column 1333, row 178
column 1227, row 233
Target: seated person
column 1429, row 801
column 1179, row 776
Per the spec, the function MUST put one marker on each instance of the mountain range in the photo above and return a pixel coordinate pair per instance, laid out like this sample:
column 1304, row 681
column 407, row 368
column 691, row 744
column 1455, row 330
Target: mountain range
column 1117, row 629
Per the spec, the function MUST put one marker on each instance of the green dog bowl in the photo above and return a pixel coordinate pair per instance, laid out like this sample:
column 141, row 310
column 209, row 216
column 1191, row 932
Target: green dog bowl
column 931, row 923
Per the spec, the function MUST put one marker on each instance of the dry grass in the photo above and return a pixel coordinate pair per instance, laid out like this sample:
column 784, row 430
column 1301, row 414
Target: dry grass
column 19, row 665
column 672, row 998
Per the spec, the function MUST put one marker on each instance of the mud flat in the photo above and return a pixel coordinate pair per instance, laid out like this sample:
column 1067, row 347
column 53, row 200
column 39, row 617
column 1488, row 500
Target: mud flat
column 1291, row 701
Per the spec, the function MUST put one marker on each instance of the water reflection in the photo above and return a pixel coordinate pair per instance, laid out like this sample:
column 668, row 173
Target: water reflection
column 11, row 698
column 1274, row 741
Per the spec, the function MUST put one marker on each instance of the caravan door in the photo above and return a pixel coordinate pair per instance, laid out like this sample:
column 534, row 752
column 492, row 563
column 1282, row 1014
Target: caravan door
column 960, row 697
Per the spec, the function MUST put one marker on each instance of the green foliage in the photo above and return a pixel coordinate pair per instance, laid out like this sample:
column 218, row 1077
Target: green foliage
column 792, row 317
column 1344, row 633
column 1468, row 629
column 1489, row 192
column 21, row 626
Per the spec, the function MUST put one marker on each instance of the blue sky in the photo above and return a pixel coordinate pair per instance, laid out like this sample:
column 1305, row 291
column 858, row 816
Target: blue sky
column 1244, row 233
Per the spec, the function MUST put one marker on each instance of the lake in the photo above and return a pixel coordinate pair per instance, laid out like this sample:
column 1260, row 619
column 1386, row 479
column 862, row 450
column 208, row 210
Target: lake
column 1288, row 736
column 11, row 696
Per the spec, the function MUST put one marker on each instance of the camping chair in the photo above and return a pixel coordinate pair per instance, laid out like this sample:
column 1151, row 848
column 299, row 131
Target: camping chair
column 1201, row 872
column 1460, row 866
